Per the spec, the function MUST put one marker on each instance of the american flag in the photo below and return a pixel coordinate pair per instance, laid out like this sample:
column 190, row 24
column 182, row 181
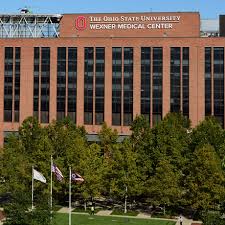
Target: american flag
column 77, row 177
column 57, row 172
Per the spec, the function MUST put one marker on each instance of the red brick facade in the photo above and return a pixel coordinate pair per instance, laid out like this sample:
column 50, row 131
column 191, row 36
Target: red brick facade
column 184, row 33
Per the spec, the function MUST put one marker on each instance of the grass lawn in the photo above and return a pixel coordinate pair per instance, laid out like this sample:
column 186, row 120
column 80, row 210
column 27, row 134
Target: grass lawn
column 62, row 219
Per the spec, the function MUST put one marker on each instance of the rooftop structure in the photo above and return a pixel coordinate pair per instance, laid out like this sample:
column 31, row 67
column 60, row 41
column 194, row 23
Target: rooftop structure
column 209, row 28
column 27, row 25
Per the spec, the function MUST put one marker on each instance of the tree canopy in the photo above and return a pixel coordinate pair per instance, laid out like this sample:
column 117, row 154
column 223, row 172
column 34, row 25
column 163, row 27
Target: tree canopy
column 170, row 164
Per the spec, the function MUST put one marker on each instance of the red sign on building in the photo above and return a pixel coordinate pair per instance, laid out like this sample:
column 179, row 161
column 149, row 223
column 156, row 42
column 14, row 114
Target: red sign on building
column 81, row 23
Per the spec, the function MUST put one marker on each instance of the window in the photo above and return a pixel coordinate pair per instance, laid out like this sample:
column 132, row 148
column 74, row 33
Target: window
column 185, row 81
column 17, row 85
column 145, row 81
column 45, row 84
column 128, row 87
column 36, row 81
column 12, row 84
column 157, row 77
column 99, row 85
column 72, row 82
column 218, row 70
column 88, row 84
column 42, row 83
column 8, row 84
column 179, row 80
column 61, row 82
column 116, row 85
column 175, row 76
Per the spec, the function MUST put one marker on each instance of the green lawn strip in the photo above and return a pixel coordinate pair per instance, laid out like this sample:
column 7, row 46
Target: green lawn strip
column 62, row 219
column 120, row 212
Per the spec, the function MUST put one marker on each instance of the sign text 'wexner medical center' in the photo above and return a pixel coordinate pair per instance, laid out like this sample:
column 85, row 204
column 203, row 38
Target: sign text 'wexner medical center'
column 132, row 22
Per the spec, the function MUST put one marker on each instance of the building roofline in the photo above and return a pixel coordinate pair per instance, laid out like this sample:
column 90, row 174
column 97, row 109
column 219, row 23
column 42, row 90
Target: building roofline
column 185, row 12
column 31, row 15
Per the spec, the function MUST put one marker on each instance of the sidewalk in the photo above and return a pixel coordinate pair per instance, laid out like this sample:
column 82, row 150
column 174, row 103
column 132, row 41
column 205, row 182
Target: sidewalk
column 185, row 221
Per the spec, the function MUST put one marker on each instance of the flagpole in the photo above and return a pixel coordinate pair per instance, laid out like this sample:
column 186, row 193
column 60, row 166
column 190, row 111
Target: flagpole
column 70, row 198
column 32, row 205
column 51, row 187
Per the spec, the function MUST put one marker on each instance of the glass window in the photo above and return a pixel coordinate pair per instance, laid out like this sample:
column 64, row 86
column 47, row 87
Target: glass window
column 72, row 82
column 175, row 73
column 208, row 100
column 218, row 69
column 145, row 81
column 116, row 85
column 88, row 84
column 45, row 84
column 8, row 84
column 99, row 85
column 12, row 82
column 17, row 85
column 61, row 82
column 157, row 77
column 128, row 87
column 185, row 78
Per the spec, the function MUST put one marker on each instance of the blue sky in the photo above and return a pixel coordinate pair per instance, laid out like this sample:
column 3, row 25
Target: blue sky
column 208, row 8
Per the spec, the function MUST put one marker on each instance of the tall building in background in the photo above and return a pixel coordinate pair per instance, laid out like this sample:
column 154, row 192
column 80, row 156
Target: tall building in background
column 110, row 67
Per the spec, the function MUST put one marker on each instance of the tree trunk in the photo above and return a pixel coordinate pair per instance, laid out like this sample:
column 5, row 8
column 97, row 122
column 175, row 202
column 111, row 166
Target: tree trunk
column 164, row 210
column 85, row 205
column 125, row 205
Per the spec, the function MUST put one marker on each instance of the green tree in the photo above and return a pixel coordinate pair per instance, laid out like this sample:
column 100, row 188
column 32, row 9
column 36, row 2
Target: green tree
column 29, row 148
column 30, row 133
column 91, row 167
column 210, row 132
column 65, row 138
column 68, row 144
column 14, row 166
column 164, row 186
column 142, row 140
column 33, row 146
column 167, row 145
column 205, row 181
column 109, row 145
column 18, row 211
column 171, row 140
column 169, row 148
column 140, row 128
column 108, row 138
column 212, row 218
column 126, row 181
